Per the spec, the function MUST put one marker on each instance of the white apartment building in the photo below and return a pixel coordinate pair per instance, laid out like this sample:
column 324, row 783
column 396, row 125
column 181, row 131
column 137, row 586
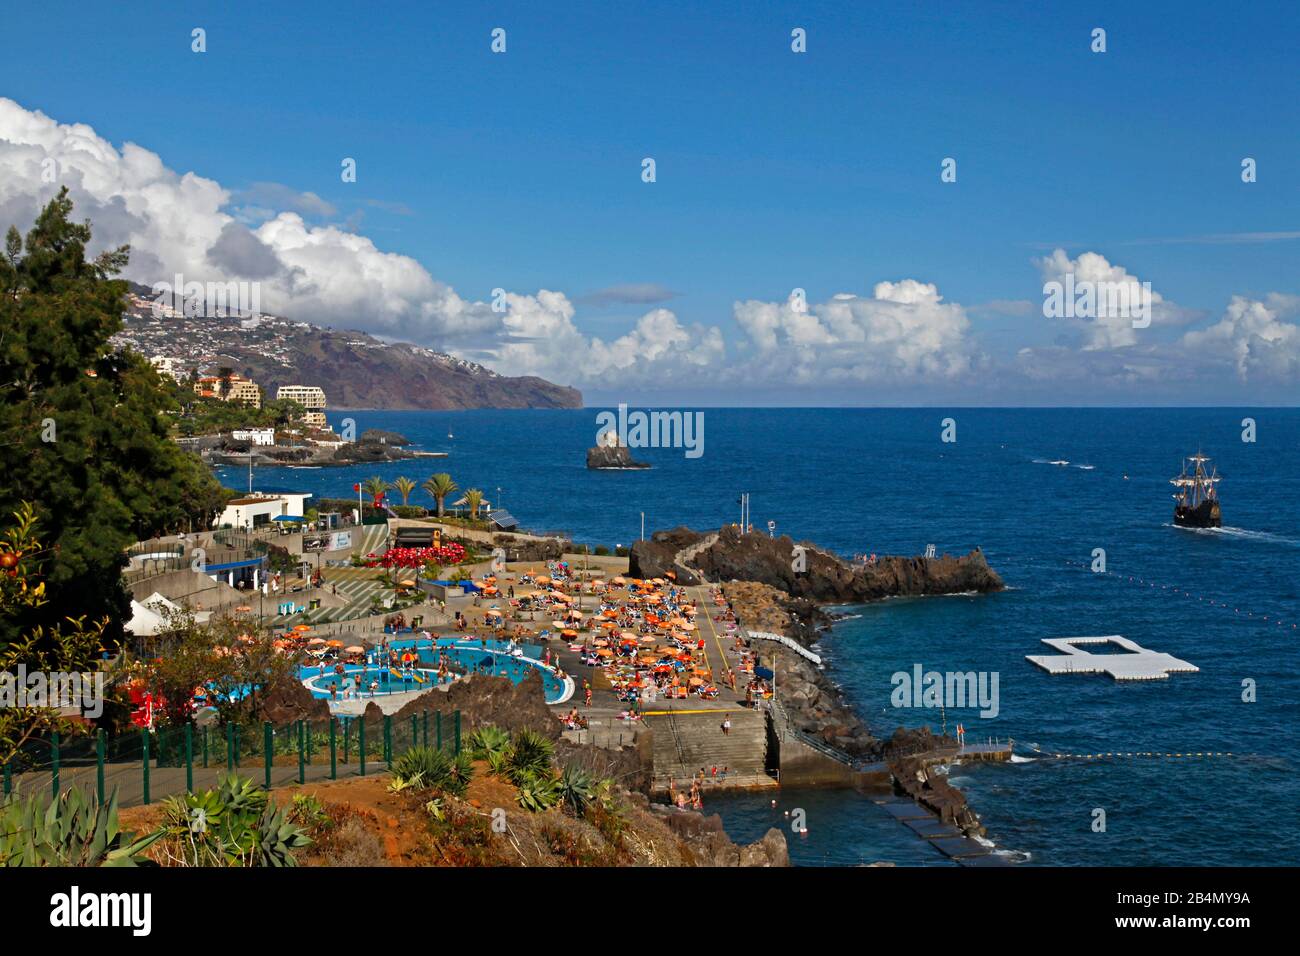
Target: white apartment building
column 257, row 510
column 168, row 366
column 258, row 436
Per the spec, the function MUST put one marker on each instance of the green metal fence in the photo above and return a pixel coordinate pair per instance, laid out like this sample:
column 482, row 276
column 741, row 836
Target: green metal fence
column 143, row 766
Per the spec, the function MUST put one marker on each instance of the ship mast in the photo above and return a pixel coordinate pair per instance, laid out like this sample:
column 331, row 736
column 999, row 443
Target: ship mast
column 1197, row 487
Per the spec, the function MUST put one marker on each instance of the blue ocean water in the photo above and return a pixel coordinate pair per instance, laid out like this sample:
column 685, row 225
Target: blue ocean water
column 859, row 480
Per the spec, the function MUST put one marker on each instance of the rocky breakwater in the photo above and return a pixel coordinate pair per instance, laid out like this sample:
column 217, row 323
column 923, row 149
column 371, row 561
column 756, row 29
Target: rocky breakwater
column 778, row 585
column 911, row 755
column 802, row 570
column 372, row 446
column 815, row 705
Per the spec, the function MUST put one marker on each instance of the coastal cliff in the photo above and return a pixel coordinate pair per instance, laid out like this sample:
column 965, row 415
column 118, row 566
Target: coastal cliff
column 729, row 555
column 356, row 369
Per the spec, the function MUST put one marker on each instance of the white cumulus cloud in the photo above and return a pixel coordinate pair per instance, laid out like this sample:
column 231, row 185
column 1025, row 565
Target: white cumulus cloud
column 1254, row 337
column 194, row 226
column 1108, row 326
column 904, row 332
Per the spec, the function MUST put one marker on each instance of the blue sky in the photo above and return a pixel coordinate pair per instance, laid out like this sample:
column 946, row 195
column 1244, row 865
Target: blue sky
column 774, row 170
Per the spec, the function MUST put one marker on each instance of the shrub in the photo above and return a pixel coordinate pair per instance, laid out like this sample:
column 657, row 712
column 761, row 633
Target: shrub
column 308, row 812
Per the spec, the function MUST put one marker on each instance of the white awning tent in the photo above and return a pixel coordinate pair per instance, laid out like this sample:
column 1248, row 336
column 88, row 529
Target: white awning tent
column 144, row 621
column 149, row 616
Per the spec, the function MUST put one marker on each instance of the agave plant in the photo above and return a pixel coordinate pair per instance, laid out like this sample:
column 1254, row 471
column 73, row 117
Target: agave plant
column 428, row 768
column 531, row 754
column 577, row 789
column 461, row 772
column 499, row 763
column 233, row 824
column 277, row 838
column 487, row 740
column 73, row 830
column 539, row 792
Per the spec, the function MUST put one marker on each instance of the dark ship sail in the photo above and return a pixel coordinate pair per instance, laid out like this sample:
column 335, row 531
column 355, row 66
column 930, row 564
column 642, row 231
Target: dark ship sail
column 1196, row 503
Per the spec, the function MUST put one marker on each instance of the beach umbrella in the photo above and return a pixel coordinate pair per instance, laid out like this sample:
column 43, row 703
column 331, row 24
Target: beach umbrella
column 333, row 643
column 302, row 627
column 243, row 609
column 317, row 640
column 355, row 649
column 619, row 580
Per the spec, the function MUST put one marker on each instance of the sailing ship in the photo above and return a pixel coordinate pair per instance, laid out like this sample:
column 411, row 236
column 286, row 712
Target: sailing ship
column 1196, row 502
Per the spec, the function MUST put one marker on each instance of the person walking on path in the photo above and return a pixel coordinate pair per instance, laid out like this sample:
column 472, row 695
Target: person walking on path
column 726, row 727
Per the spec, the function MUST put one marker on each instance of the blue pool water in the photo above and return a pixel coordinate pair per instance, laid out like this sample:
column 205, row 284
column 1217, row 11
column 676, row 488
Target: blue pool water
column 858, row 480
column 490, row 658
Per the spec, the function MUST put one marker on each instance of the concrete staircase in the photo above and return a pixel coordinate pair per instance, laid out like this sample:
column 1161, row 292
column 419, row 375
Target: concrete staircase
column 687, row 555
column 686, row 741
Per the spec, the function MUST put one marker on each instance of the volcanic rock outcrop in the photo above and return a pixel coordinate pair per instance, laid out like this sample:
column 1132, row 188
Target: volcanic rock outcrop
column 822, row 577
column 615, row 457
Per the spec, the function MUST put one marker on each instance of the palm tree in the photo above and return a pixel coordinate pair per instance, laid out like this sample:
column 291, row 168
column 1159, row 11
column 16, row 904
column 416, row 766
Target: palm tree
column 404, row 488
column 375, row 488
column 439, row 487
column 224, row 376
column 474, row 499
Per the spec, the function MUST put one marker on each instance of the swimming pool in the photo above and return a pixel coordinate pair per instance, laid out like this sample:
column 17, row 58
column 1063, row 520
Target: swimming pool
column 490, row 657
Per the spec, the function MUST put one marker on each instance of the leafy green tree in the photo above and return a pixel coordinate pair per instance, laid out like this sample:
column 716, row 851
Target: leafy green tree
column 83, row 426
column 439, row 488
column 71, row 647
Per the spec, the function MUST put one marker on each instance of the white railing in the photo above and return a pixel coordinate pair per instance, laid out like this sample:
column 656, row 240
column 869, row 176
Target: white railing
column 789, row 642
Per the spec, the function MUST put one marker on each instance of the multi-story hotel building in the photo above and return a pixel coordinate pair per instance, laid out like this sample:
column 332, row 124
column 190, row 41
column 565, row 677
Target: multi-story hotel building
column 310, row 397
